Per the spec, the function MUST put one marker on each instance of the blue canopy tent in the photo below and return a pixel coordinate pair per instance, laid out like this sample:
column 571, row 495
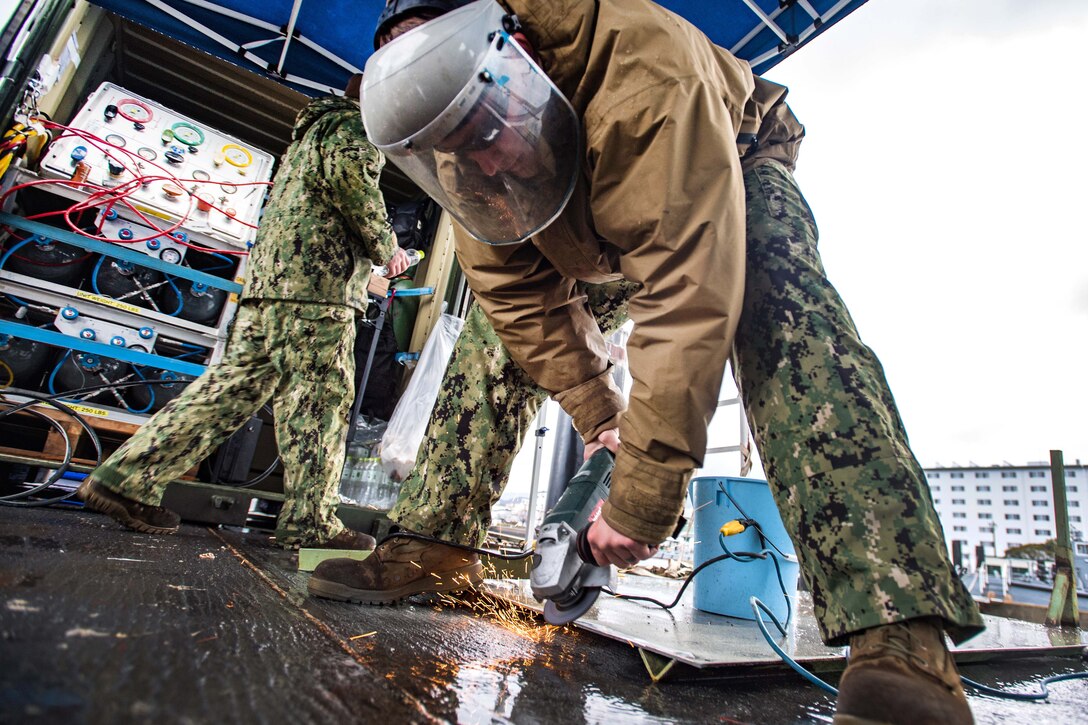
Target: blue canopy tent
column 313, row 45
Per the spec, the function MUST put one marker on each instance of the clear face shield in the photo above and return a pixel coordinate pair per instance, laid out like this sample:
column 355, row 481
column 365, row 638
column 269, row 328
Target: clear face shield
column 501, row 157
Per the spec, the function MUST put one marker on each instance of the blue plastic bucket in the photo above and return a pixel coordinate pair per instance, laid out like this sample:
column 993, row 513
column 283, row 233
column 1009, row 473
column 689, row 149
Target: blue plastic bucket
column 726, row 586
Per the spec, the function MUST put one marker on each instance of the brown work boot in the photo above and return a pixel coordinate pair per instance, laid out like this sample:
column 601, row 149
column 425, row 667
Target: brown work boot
column 348, row 539
column 399, row 567
column 133, row 514
column 901, row 673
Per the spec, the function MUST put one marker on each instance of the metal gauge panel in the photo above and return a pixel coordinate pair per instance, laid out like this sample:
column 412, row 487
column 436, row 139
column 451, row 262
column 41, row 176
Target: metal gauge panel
column 169, row 164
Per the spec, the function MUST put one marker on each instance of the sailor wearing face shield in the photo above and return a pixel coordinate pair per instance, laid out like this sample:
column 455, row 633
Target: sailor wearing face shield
column 483, row 130
column 684, row 212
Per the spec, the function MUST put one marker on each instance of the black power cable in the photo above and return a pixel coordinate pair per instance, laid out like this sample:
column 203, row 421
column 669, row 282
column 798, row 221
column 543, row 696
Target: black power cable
column 399, row 534
column 53, row 400
column 16, row 499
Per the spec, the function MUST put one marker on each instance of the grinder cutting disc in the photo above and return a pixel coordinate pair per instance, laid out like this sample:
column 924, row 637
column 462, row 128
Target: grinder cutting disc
column 554, row 614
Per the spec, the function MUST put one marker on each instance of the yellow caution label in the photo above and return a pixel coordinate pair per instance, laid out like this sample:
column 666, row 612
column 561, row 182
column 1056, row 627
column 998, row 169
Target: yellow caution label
column 153, row 212
column 233, row 296
column 240, row 280
column 89, row 411
column 107, row 301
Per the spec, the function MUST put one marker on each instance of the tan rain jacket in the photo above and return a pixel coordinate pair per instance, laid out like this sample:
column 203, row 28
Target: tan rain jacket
column 660, row 202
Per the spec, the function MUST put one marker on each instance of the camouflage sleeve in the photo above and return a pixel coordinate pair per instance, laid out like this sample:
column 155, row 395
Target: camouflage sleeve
column 352, row 168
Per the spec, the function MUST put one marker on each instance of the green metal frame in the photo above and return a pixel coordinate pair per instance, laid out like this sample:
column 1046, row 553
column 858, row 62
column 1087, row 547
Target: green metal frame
column 1063, row 600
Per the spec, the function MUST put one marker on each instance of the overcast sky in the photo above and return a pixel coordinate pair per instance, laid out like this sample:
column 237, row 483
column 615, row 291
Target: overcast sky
column 946, row 163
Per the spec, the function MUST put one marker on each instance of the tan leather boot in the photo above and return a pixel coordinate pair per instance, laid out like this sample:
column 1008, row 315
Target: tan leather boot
column 133, row 514
column 346, row 539
column 901, row 673
column 399, row 567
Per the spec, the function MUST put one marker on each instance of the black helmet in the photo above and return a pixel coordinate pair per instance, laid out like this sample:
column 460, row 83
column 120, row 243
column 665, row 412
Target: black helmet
column 395, row 10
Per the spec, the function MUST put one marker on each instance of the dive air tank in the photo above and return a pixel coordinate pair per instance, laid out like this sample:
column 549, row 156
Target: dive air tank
column 24, row 362
column 82, row 370
column 150, row 398
column 404, row 311
column 200, row 303
column 46, row 259
column 125, row 281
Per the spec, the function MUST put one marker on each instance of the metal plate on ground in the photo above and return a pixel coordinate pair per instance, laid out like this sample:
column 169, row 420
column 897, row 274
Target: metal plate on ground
column 702, row 639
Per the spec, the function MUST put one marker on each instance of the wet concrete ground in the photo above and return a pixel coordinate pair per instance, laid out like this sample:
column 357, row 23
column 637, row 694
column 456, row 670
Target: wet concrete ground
column 102, row 625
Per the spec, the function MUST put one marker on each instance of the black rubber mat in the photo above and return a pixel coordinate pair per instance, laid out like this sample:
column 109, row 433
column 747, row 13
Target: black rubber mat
column 102, row 625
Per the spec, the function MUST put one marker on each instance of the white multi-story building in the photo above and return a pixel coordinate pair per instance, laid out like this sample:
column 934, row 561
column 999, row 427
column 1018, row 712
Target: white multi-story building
column 1002, row 506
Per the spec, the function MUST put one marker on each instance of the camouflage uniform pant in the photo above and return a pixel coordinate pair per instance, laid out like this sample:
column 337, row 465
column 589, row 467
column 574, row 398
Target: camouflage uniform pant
column 852, row 496
column 298, row 354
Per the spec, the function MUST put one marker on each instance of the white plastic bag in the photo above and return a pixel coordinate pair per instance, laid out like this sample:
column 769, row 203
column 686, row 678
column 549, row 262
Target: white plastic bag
column 408, row 424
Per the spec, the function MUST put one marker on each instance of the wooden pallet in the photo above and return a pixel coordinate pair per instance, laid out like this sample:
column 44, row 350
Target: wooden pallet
column 54, row 446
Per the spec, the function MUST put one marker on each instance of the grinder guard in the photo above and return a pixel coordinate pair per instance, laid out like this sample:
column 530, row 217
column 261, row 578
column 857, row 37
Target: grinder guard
column 564, row 573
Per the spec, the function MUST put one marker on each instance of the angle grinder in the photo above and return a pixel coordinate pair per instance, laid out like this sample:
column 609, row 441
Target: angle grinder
column 565, row 576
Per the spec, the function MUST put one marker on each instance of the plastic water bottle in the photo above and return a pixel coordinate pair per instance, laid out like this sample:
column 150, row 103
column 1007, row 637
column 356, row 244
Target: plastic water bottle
column 383, row 498
column 349, row 480
column 392, row 491
column 369, row 468
column 414, row 255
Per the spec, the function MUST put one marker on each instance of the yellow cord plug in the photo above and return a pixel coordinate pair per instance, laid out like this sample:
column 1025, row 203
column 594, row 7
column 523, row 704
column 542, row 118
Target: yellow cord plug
column 732, row 527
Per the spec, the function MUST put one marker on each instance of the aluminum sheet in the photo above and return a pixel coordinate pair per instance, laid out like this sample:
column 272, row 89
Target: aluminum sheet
column 702, row 639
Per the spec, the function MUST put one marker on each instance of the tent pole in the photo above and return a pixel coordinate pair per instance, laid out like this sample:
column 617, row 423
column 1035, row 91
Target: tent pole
column 290, row 34
column 767, row 20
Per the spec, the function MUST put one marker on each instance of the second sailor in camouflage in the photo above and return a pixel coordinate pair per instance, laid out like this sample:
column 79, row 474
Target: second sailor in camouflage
column 293, row 336
column 311, row 386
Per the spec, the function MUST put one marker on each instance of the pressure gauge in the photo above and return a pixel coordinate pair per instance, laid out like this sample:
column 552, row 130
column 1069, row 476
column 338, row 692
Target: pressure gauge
column 237, row 156
column 187, row 133
column 133, row 110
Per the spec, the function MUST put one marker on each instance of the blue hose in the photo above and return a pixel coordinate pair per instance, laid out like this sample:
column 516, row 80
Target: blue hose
column 150, row 390
column 181, row 302
column 1030, row 696
column 94, row 275
column 758, row 605
column 1043, row 694
column 17, row 300
column 53, row 375
column 225, row 258
column 13, row 250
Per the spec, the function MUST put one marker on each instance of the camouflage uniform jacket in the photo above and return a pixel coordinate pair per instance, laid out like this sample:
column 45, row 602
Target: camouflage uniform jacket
column 667, row 116
column 325, row 221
